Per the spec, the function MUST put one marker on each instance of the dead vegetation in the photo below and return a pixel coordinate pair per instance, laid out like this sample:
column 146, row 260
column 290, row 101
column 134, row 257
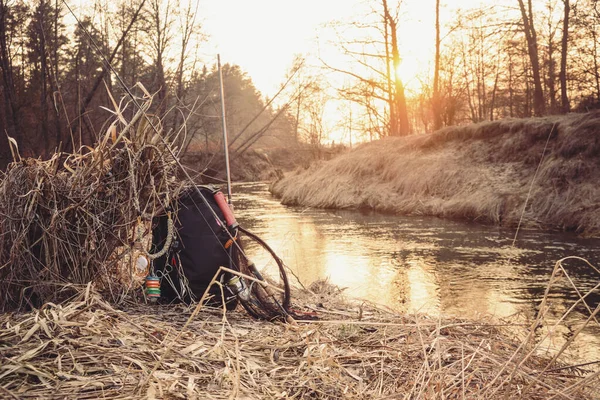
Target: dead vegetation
column 87, row 349
column 482, row 172
column 63, row 220
column 73, row 219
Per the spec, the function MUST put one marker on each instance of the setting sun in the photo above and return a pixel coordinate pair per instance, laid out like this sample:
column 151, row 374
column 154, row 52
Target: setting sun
column 324, row 39
column 411, row 71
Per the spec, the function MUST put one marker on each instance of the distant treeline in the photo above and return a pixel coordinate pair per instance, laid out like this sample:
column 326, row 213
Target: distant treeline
column 55, row 75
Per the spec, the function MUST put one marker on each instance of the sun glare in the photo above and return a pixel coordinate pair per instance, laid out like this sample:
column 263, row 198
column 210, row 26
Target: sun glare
column 409, row 72
column 266, row 49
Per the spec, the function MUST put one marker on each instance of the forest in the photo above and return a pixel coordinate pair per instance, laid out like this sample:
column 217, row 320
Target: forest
column 58, row 74
column 518, row 58
column 522, row 58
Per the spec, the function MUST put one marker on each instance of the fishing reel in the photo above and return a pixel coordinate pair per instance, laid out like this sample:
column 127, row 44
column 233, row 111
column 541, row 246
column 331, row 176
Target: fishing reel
column 260, row 298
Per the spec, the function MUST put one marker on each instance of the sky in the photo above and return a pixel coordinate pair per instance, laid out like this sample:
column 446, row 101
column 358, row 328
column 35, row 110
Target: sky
column 263, row 36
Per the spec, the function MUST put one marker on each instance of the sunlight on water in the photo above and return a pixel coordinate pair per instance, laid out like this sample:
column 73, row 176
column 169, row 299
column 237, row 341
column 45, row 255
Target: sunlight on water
column 428, row 265
column 422, row 288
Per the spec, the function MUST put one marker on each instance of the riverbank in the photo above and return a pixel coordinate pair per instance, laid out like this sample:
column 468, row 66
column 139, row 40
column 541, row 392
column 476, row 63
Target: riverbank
column 256, row 164
column 87, row 349
column 481, row 172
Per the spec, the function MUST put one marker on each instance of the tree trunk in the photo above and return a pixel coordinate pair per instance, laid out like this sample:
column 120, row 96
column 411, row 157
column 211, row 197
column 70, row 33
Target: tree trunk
column 527, row 110
column 494, row 90
column 510, row 87
column 539, row 107
column 551, row 69
column 44, row 86
column 436, row 100
column 8, row 89
column 482, row 77
column 399, row 97
column 162, row 38
column 393, row 125
column 54, row 77
column 564, row 99
column 596, row 66
column 467, row 76
column 162, row 87
column 299, row 102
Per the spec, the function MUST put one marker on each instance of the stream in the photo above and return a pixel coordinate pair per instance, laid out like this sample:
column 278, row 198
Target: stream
column 430, row 265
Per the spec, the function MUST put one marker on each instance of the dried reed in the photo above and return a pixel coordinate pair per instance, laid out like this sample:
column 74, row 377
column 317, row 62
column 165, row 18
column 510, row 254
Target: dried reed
column 63, row 220
column 87, row 349
column 63, row 223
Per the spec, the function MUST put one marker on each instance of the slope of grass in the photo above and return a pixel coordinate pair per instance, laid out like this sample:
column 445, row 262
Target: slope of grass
column 479, row 172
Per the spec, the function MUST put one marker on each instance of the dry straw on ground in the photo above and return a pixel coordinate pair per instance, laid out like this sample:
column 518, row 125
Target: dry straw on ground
column 86, row 349
column 480, row 172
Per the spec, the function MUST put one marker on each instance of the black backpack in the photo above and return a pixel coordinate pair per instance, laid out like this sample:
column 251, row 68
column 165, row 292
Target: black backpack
column 198, row 248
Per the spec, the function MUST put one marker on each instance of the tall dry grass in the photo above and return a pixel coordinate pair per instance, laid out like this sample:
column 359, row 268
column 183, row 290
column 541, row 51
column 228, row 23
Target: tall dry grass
column 481, row 172
column 73, row 218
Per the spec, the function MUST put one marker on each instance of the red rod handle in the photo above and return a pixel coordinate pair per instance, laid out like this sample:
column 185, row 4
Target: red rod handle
column 226, row 210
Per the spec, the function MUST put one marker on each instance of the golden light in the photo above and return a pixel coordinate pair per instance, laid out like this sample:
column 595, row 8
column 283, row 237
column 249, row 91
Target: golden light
column 409, row 72
column 423, row 287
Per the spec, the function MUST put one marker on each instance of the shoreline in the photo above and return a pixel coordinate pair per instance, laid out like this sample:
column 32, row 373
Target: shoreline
column 483, row 172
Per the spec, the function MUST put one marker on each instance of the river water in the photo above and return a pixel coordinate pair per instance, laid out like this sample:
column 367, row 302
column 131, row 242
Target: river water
column 428, row 265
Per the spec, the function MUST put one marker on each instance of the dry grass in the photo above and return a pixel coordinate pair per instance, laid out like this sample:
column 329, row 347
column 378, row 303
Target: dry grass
column 478, row 172
column 71, row 219
column 87, row 349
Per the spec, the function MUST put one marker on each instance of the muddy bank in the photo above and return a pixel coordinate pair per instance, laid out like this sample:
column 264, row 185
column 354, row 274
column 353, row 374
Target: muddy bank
column 481, row 172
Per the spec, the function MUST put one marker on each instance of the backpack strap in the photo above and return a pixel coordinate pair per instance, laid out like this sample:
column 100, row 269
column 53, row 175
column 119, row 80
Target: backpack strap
column 168, row 240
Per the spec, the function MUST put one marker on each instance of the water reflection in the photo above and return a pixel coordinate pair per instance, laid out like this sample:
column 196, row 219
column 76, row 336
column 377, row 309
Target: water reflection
column 422, row 264
column 422, row 287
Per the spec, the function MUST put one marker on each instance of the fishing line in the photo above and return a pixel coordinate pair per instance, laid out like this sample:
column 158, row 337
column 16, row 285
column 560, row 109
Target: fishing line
column 531, row 185
column 150, row 123
column 163, row 141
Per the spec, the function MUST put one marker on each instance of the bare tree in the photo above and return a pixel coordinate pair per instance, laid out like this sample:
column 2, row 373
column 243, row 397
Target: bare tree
column 189, row 29
column 564, row 99
column 43, row 44
column 436, row 101
column 539, row 105
column 550, row 62
column 160, row 16
column 372, row 76
column 7, row 19
column 105, row 69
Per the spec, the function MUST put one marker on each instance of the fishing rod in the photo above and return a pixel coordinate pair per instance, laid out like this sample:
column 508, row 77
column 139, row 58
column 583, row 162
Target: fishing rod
column 225, row 140
column 234, row 243
column 238, row 285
